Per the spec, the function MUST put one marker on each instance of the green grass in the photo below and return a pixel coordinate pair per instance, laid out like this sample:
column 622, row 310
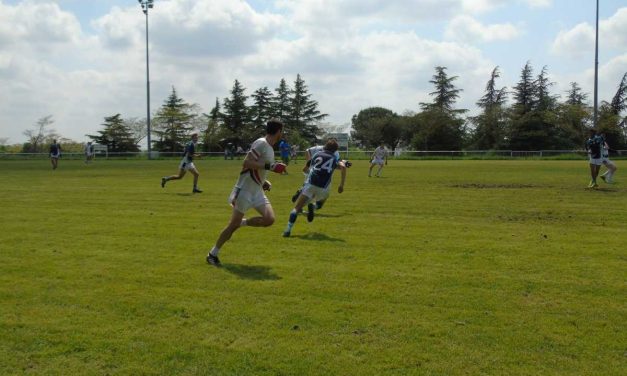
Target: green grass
column 437, row 268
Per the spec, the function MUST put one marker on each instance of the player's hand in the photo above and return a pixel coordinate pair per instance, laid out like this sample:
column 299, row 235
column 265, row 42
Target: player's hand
column 277, row 167
column 266, row 186
column 340, row 189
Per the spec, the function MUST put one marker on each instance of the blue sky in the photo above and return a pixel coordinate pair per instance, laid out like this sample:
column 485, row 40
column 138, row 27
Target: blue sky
column 80, row 61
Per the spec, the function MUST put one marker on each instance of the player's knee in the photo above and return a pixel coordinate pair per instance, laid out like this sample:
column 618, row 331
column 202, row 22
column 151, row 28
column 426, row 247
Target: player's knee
column 268, row 220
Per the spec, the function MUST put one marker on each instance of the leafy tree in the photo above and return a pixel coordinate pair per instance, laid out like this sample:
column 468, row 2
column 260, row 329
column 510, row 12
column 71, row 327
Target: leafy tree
column 116, row 135
column 40, row 135
column 173, row 123
column 138, row 128
column 610, row 121
column 369, row 124
column 491, row 123
column 303, row 115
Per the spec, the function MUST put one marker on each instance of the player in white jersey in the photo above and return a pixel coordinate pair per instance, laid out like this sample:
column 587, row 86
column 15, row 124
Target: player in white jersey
column 89, row 152
column 608, row 175
column 379, row 157
column 249, row 190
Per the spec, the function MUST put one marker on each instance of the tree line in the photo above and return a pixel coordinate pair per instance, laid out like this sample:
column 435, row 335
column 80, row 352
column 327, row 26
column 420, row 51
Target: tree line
column 526, row 117
column 535, row 119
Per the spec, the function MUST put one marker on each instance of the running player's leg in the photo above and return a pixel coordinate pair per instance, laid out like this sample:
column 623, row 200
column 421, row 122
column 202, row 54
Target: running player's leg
column 196, row 174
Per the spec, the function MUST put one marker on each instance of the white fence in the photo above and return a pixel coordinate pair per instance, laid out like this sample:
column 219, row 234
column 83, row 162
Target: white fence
column 352, row 154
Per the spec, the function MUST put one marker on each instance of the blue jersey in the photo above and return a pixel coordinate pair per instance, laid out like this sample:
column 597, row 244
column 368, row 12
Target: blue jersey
column 321, row 170
column 594, row 145
column 285, row 148
column 190, row 150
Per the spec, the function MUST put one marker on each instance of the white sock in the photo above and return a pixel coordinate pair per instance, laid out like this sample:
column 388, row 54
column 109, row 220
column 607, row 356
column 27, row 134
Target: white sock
column 244, row 222
column 214, row 251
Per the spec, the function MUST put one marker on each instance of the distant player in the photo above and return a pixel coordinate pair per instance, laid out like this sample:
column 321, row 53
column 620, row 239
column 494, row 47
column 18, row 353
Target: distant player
column 55, row 154
column 608, row 175
column 249, row 190
column 89, row 152
column 285, row 149
column 187, row 164
column 318, row 183
column 594, row 144
column 379, row 157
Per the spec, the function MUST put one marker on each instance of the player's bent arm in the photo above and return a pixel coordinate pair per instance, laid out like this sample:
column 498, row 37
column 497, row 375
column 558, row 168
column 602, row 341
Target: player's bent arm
column 251, row 162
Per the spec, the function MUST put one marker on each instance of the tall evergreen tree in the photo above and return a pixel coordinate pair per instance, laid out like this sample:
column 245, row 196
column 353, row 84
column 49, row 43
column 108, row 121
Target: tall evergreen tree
column 490, row 124
column 116, row 135
column 261, row 110
column 574, row 115
column 525, row 91
column 575, row 95
column 619, row 101
column 543, row 100
column 173, row 123
column 303, row 114
column 235, row 114
column 281, row 102
column 438, row 126
column 214, row 114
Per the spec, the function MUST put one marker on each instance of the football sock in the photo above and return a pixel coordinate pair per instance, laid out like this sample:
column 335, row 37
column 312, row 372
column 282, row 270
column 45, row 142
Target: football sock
column 293, row 216
column 214, row 251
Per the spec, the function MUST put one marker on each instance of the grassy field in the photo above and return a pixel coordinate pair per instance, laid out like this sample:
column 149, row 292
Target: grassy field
column 437, row 268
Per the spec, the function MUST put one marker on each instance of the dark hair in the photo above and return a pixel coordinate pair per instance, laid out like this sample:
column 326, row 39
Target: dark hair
column 273, row 126
column 331, row 145
column 592, row 131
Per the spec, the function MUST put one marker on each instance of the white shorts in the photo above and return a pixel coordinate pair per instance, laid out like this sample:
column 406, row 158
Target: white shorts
column 596, row 161
column 313, row 192
column 378, row 161
column 55, row 156
column 243, row 200
column 606, row 161
column 88, row 155
column 187, row 166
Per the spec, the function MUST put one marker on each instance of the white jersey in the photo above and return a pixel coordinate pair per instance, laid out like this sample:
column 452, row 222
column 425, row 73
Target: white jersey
column 380, row 152
column 252, row 179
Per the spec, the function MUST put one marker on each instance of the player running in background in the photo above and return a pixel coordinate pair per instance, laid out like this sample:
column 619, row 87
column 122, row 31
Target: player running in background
column 379, row 156
column 318, row 183
column 285, row 149
column 249, row 190
column 55, row 154
column 594, row 144
column 608, row 175
column 187, row 164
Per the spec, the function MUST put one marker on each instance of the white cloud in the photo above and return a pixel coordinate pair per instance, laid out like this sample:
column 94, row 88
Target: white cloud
column 467, row 29
column 539, row 3
column 576, row 42
column 579, row 40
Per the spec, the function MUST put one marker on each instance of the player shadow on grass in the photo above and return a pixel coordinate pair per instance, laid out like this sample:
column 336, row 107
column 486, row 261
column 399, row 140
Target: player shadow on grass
column 318, row 237
column 252, row 272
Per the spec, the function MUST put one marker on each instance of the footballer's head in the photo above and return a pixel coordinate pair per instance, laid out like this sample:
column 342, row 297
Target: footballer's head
column 194, row 137
column 274, row 126
column 331, row 145
column 592, row 131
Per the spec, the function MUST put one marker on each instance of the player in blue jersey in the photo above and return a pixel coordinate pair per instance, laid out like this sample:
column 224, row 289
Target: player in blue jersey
column 187, row 164
column 309, row 153
column 248, row 192
column 318, row 182
column 55, row 154
column 594, row 144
